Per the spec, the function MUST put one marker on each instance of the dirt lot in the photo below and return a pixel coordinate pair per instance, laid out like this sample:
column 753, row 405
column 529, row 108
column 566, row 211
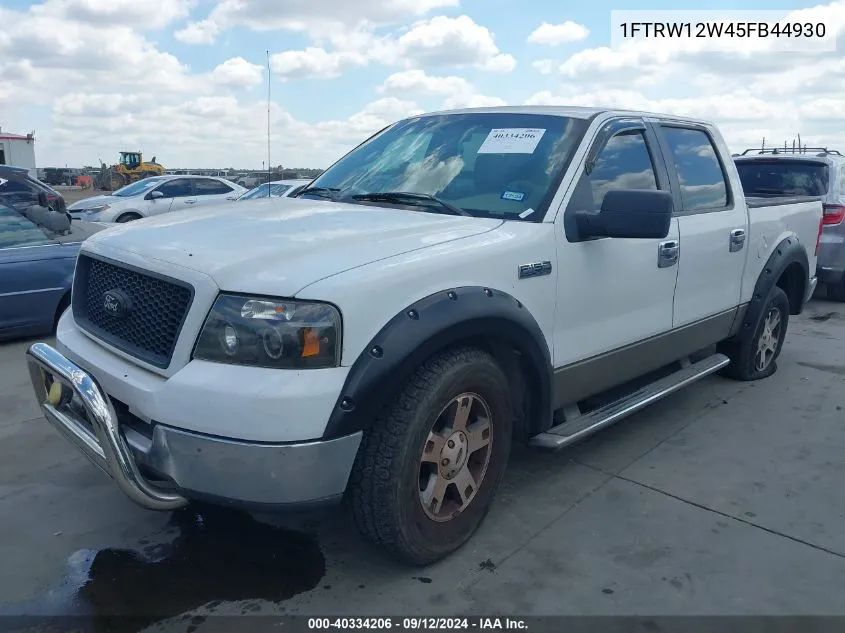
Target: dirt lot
column 725, row 498
column 73, row 194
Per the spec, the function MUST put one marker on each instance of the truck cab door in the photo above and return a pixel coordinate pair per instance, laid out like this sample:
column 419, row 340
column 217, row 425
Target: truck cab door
column 713, row 227
column 612, row 293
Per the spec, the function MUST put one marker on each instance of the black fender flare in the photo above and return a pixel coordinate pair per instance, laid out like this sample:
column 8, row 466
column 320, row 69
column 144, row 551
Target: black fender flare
column 789, row 251
column 432, row 324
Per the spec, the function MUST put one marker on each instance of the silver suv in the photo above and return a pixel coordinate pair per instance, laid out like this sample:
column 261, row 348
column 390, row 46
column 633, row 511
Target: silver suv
column 808, row 171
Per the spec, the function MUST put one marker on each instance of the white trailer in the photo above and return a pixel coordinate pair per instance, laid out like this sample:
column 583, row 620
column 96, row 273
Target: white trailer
column 18, row 151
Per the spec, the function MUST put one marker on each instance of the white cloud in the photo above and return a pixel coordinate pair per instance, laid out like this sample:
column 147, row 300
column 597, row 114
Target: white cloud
column 314, row 62
column 304, row 15
column 444, row 41
column 150, row 14
column 115, row 55
column 238, row 72
column 203, row 32
column 557, row 34
column 459, row 92
column 418, row 81
column 436, row 43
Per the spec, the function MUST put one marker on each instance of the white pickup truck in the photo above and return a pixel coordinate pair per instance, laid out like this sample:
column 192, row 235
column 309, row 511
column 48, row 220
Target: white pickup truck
column 457, row 282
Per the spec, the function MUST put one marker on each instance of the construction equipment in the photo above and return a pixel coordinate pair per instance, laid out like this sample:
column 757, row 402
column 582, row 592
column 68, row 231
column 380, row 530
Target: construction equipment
column 131, row 168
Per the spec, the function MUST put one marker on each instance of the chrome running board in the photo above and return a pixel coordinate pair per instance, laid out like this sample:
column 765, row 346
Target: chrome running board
column 582, row 426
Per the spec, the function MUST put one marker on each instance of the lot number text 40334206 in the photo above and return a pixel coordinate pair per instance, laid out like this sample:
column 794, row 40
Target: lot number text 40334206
column 418, row 624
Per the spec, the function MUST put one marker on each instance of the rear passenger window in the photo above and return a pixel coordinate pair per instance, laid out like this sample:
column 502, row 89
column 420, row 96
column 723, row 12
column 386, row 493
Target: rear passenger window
column 208, row 187
column 623, row 163
column 702, row 180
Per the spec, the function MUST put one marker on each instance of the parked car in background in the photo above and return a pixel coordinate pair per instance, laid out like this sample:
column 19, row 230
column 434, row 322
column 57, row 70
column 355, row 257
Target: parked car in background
column 458, row 282
column 276, row 189
column 38, row 248
column 154, row 196
column 19, row 190
column 249, row 181
column 778, row 173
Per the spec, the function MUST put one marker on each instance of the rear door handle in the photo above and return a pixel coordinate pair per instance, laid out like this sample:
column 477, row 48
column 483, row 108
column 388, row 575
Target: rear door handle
column 667, row 253
column 737, row 240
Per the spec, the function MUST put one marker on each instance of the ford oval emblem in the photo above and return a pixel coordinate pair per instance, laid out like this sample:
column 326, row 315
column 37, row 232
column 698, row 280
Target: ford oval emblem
column 116, row 303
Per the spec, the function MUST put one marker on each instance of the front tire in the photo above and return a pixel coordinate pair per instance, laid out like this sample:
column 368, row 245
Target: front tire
column 754, row 355
column 128, row 217
column 429, row 467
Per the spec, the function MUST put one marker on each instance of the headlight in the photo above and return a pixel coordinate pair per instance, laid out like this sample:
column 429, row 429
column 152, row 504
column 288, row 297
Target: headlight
column 97, row 209
column 265, row 332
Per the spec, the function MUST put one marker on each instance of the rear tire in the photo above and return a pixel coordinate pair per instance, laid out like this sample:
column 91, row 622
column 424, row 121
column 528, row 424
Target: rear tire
column 754, row 355
column 128, row 217
column 404, row 487
column 836, row 292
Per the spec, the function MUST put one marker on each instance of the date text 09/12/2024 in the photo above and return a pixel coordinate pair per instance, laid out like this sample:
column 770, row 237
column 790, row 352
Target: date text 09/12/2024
column 723, row 29
column 418, row 623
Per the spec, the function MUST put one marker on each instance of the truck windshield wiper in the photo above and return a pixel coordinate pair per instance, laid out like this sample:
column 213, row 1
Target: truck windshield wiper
column 323, row 192
column 400, row 196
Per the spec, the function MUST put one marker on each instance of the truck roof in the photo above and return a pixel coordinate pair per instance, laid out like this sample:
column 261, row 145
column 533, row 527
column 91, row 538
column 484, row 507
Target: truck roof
column 575, row 112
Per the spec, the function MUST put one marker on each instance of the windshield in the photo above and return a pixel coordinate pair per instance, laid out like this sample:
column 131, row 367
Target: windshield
column 276, row 190
column 18, row 230
column 780, row 177
column 136, row 188
column 502, row 165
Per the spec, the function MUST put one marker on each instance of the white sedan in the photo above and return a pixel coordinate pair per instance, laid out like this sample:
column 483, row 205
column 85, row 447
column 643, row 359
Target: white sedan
column 277, row 189
column 154, row 196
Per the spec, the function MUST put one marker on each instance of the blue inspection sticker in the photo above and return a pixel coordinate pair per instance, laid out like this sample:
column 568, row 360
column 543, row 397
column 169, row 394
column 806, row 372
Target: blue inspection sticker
column 516, row 196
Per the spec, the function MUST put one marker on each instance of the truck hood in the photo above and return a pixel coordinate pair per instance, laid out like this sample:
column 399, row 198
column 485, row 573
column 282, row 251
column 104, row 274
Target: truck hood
column 280, row 245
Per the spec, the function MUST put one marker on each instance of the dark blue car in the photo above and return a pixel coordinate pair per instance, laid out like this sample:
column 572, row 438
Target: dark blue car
column 38, row 249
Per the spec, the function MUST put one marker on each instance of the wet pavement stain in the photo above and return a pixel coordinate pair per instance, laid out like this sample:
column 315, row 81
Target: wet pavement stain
column 216, row 556
column 832, row 369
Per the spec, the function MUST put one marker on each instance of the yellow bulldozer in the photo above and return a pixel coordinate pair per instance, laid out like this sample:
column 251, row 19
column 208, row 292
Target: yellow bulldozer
column 131, row 168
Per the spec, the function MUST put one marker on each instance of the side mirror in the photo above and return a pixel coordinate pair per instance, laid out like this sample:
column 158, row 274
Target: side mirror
column 629, row 213
column 154, row 195
column 42, row 199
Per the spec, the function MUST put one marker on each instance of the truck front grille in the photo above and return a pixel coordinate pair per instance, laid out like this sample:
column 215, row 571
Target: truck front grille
column 136, row 311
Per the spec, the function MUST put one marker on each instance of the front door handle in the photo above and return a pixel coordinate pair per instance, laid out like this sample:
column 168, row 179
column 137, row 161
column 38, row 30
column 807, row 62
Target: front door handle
column 667, row 253
column 737, row 240
column 190, row 201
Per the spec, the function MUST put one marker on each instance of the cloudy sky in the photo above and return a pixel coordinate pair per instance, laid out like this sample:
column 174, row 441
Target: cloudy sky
column 186, row 80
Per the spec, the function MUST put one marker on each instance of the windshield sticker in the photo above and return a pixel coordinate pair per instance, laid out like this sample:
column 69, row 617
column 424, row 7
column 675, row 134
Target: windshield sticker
column 525, row 214
column 516, row 196
column 511, row 140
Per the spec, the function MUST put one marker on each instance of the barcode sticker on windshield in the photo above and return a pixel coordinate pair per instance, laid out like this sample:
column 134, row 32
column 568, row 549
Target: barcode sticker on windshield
column 511, row 140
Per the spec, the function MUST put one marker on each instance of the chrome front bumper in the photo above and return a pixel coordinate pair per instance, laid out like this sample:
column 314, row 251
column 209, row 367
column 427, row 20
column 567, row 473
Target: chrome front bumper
column 199, row 466
column 101, row 442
